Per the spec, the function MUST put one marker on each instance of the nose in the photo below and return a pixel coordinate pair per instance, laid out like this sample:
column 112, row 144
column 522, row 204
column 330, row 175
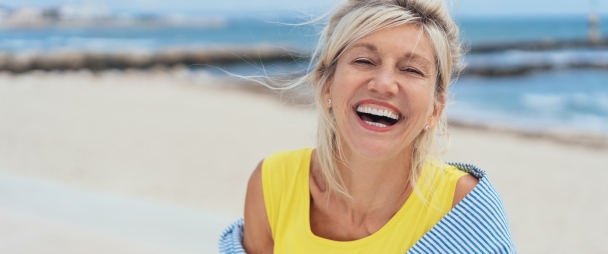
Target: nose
column 384, row 82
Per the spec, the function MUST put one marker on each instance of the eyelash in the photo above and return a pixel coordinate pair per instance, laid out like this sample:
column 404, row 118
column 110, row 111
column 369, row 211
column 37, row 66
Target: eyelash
column 363, row 61
column 414, row 71
column 366, row 61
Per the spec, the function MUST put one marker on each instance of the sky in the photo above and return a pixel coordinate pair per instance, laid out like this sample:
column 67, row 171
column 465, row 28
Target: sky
column 459, row 7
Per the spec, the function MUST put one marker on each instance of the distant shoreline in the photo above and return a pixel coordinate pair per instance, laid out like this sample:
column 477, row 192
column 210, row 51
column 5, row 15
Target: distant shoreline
column 21, row 62
column 541, row 45
column 97, row 61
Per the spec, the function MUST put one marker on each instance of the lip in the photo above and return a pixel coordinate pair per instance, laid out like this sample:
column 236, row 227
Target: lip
column 379, row 103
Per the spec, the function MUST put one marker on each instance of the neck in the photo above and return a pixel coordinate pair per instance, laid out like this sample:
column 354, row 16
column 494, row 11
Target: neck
column 375, row 184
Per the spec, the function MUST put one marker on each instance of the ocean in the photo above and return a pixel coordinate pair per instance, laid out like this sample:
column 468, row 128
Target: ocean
column 558, row 98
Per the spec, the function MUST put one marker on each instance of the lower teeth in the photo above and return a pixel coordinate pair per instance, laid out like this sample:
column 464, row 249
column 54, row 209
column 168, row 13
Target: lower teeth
column 376, row 124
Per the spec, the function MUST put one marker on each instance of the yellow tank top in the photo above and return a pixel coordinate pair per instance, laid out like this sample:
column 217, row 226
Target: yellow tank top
column 285, row 181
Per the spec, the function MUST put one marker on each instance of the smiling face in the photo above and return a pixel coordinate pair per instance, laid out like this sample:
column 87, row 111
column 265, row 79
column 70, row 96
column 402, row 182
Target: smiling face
column 382, row 92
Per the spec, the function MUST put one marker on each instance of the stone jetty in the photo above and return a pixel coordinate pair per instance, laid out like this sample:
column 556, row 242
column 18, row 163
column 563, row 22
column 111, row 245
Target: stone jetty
column 95, row 61
column 221, row 56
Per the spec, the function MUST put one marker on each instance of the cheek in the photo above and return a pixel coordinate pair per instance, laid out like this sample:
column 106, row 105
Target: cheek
column 340, row 105
column 340, row 93
column 419, row 104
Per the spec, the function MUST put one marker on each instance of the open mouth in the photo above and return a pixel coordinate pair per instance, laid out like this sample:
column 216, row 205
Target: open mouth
column 374, row 116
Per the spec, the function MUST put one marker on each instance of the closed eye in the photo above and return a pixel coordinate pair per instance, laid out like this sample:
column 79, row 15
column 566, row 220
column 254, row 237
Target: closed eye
column 363, row 61
column 415, row 71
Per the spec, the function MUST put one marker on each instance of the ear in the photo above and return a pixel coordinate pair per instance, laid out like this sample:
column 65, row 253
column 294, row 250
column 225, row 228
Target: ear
column 438, row 107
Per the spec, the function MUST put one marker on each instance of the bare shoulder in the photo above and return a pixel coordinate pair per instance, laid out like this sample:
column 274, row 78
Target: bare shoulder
column 257, row 233
column 463, row 187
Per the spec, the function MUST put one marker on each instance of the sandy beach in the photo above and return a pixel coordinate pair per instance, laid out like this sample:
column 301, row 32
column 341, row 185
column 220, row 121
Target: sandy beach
column 158, row 161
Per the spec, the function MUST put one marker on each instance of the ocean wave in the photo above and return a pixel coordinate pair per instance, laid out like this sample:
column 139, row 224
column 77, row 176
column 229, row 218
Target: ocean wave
column 554, row 58
column 552, row 103
column 573, row 122
column 21, row 44
column 573, row 100
column 110, row 44
column 567, row 103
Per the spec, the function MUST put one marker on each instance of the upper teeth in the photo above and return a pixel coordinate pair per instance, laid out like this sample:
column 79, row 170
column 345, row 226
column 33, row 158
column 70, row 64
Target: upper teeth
column 378, row 112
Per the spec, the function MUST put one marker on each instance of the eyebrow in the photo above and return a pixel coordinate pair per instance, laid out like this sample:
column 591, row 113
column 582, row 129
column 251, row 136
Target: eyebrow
column 365, row 45
column 416, row 57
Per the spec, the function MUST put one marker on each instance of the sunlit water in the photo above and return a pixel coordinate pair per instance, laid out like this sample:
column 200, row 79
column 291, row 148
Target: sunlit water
column 566, row 100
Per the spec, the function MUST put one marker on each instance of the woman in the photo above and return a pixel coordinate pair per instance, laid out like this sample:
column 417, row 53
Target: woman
column 375, row 182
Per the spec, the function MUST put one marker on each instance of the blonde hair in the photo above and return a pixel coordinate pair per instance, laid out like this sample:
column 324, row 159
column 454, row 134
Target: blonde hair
column 355, row 19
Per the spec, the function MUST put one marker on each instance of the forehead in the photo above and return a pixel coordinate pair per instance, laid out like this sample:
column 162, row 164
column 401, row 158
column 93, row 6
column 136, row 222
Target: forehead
column 407, row 40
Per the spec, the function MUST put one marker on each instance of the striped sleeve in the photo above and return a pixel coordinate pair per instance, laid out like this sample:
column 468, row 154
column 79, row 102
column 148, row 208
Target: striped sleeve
column 478, row 224
column 232, row 238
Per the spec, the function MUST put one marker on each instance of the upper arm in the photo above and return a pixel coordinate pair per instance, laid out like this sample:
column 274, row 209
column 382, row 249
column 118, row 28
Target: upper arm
column 463, row 187
column 257, row 235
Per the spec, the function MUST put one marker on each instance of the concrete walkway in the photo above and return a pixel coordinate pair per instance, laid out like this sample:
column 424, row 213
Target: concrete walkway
column 43, row 217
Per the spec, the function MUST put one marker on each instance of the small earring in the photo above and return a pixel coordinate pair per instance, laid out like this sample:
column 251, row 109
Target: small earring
column 427, row 127
column 329, row 101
